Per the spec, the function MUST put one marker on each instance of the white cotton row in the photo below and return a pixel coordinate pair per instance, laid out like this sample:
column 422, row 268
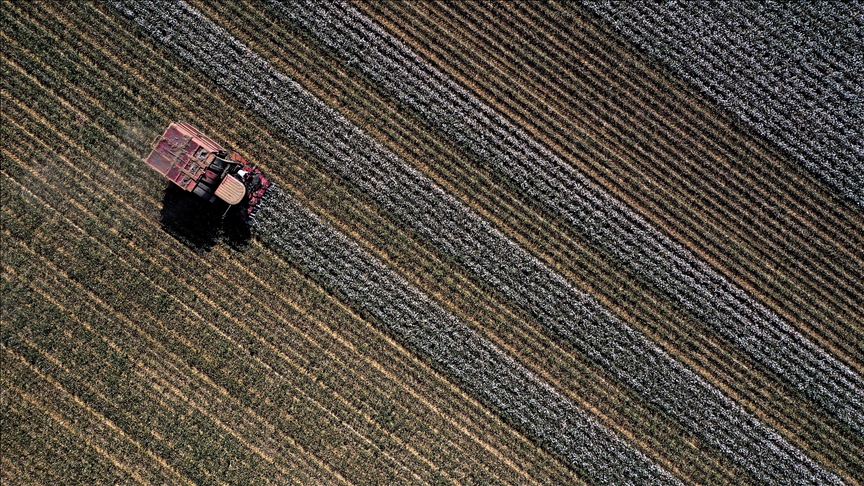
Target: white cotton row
column 792, row 71
column 606, row 223
column 458, row 232
column 375, row 291
column 379, row 294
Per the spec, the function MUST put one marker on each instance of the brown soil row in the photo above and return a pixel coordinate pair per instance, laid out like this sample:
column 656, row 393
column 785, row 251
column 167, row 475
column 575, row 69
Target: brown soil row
column 47, row 417
column 160, row 406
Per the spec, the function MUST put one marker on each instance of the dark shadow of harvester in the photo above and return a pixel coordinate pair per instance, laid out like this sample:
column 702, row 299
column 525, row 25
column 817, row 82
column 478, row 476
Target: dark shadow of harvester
column 199, row 224
column 212, row 192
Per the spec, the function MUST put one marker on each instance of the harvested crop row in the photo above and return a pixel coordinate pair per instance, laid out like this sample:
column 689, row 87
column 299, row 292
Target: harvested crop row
column 409, row 195
column 294, row 342
column 97, row 157
column 546, row 179
column 79, row 265
column 524, row 75
column 96, row 378
column 103, row 378
column 790, row 72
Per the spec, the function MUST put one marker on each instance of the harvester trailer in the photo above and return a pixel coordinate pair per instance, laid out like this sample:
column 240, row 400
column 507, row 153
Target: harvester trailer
column 197, row 164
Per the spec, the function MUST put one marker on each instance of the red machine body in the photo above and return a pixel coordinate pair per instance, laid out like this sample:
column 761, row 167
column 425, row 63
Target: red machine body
column 197, row 164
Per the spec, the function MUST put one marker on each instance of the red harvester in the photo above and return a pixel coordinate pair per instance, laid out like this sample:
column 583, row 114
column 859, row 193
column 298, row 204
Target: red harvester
column 197, row 164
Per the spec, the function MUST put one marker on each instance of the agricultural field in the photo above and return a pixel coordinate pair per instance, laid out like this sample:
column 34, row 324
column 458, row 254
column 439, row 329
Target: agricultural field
column 505, row 243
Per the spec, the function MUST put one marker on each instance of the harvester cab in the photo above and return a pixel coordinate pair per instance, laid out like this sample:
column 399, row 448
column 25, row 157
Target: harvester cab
column 197, row 164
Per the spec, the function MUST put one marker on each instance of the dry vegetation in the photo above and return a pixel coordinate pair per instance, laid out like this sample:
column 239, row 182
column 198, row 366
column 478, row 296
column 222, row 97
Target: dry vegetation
column 525, row 253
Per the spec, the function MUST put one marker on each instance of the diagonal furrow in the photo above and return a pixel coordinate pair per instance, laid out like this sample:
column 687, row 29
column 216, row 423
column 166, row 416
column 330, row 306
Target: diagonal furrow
column 458, row 232
column 792, row 73
column 543, row 177
column 497, row 380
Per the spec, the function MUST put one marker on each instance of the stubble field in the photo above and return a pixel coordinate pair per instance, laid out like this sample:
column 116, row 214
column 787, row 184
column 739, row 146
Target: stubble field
column 504, row 246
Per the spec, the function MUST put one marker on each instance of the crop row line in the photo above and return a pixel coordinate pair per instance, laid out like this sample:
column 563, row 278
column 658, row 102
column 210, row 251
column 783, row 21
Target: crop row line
column 545, row 178
column 98, row 434
column 510, row 99
column 55, row 415
column 526, row 355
